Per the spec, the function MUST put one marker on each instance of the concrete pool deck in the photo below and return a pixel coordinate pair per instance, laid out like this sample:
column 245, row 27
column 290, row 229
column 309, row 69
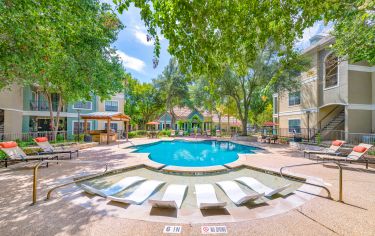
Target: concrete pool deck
column 60, row 216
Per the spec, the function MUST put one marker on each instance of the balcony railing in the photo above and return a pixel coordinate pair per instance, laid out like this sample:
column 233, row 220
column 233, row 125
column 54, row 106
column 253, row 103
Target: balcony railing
column 44, row 106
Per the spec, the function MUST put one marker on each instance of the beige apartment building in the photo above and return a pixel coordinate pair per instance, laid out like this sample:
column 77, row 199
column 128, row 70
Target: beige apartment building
column 24, row 110
column 114, row 104
column 336, row 97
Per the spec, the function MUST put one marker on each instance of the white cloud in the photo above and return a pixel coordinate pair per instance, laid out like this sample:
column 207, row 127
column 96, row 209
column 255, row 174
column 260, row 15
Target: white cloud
column 131, row 62
column 308, row 33
column 142, row 37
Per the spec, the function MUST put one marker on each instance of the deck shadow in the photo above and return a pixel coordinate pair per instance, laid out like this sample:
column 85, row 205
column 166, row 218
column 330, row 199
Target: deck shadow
column 255, row 205
column 167, row 212
column 214, row 212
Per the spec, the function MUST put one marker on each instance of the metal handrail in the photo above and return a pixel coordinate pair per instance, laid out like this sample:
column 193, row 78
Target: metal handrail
column 327, row 115
column 35, row 176
column 317, row 185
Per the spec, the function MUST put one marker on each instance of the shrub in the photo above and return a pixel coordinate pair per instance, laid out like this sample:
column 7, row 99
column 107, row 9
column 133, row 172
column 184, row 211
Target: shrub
column 21, row 143
column 165, row 133
column 132, row 134
column 60, row 138
column 137, row 133
column 2, row 155
column 318, row 138
column 81, row 137
column 32, row 151
column 141, row 132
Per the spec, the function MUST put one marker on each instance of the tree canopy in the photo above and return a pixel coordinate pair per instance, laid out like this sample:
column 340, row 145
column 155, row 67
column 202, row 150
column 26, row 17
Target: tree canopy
column 61, row 47
column 143, row 102
column 207, row 36
column 173, row 87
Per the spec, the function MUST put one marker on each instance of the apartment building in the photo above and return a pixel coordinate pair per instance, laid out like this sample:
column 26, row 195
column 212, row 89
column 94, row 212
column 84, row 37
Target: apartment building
column 335, row 95
column 25, row 109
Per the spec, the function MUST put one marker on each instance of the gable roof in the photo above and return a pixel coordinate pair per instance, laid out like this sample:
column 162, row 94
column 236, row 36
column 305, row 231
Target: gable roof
column 184, row 113
column 329, row 39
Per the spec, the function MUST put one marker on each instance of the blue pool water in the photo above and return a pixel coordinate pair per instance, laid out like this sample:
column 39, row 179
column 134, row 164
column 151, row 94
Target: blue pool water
column 204, row 153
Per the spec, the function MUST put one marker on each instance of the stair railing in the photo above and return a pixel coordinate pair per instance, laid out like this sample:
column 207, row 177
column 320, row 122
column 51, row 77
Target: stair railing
column 321, row 127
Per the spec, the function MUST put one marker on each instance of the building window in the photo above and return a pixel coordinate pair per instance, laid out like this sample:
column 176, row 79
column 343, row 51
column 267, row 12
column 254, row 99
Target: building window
column 114, row 126
column 82, row 105
column 330, row 71
column 275, row 108
column 111, row 106
column 294, row 126
column 81, row 127
column 294, row 98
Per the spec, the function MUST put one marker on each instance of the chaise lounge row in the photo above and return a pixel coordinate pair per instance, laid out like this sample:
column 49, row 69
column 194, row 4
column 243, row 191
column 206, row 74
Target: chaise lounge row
column 357, row 155
column 15, row 154
column 175, row 193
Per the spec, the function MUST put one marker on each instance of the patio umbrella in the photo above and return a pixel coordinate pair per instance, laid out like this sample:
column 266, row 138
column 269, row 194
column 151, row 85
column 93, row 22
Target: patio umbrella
column 269, row 123
column 152, row 123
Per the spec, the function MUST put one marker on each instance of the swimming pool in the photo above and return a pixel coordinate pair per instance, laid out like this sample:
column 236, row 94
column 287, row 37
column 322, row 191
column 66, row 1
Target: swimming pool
column 194, row 154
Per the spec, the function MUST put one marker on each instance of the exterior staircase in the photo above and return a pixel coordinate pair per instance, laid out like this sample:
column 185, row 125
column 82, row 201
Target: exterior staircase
column 332, row 125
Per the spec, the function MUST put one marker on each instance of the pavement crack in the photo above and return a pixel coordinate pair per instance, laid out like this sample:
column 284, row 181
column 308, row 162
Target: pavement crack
column 321, row 224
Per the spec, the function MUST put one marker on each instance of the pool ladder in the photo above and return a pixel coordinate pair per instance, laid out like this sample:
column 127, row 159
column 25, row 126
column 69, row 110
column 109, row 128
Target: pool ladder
column 318, row 185
column 76, row 180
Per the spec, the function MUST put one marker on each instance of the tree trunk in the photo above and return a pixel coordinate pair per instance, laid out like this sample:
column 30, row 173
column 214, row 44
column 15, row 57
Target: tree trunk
column 173, row 118
column 244, row 123
column 51, row 117
column 219, row 116
column 228, row 127
column 54, row 121
column 59, row 105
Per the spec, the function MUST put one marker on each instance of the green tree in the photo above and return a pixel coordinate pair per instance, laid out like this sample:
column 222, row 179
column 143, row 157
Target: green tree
column 354, row 32
column 62, row 47
column 272, row 70
column 172, row 85
column 142, row 102
column 261, row 107
column 205, row 94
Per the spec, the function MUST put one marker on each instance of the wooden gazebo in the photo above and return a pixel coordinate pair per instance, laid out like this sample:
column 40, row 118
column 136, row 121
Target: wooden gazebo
column 107, row 116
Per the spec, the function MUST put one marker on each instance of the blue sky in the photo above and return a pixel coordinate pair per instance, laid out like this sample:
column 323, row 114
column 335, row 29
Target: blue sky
column 134, row 50
column 137, row 54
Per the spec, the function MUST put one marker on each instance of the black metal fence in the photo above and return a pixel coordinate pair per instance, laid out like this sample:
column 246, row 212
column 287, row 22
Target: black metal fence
column 315, row 136
column 28, row 136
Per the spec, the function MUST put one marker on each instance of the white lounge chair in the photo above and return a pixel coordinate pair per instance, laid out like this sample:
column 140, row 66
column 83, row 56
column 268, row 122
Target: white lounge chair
column 259, row 187
column 140, row 194
column 172, row 197
column 114, row 188
column 206, row 197
column 332, row 150
column 235, row 193
column 173, row 133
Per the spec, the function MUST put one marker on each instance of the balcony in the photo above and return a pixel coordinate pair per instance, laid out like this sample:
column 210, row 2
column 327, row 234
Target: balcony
column 44, row 106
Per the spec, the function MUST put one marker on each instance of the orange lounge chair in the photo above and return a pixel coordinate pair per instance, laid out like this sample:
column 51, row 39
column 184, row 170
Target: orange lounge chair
column 15, row 153
column 49, row 149
column 332, row 150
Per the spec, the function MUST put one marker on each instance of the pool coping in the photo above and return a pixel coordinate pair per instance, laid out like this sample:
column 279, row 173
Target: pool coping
column 197, row 170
